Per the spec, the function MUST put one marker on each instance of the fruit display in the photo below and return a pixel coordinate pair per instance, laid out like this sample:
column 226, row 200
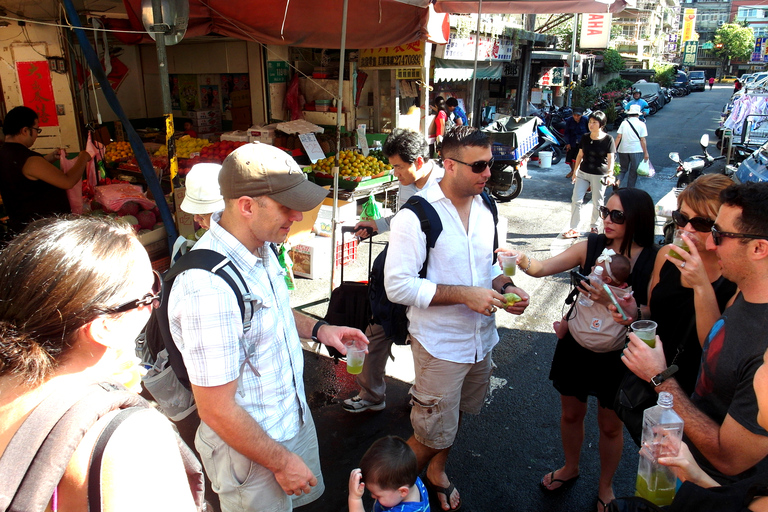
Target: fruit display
column 378, row 155
column 116, row 151
column 142, row 219
column 352, row 166
column 184, row 147
column 218, row 151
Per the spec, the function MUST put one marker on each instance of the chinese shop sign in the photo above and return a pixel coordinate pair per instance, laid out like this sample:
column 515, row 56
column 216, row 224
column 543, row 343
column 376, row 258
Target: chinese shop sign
column 37, row 90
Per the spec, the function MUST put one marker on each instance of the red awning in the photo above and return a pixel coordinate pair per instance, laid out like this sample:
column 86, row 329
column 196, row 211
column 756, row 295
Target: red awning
column 529, row 6
column 306, row 23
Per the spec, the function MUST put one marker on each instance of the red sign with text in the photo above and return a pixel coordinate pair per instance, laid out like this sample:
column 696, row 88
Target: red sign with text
column 37, row 90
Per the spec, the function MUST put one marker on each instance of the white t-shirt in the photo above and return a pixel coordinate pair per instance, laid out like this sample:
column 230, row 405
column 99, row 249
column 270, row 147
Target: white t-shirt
column 630, row 143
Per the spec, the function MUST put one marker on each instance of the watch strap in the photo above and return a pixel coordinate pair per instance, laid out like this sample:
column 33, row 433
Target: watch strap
column 316, row 328
column 658, row 379
column 506, row 285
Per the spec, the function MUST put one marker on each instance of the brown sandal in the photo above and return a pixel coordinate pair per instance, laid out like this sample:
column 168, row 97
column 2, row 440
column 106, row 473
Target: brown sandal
column 571, row 233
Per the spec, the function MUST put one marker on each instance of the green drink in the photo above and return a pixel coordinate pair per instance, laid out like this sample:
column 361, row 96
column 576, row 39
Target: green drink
column 646, row 331
column 355, row 358
column 680, row 242
column 355, row 369
column 509, row 264
column 510, row 270
column 660, row 497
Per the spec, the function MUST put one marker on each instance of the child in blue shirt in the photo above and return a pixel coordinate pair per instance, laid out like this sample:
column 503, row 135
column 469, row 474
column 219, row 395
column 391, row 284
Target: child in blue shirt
column 390, row 472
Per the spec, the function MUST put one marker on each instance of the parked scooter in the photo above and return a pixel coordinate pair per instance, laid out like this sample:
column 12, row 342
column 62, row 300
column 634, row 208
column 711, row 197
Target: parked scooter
column 696, row 165
column 550, row 140
column 513, row 141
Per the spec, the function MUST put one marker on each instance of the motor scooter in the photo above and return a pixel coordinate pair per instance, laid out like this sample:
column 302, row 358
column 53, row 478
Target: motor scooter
column 550, row 140
column 695, row 166
column 514, row 140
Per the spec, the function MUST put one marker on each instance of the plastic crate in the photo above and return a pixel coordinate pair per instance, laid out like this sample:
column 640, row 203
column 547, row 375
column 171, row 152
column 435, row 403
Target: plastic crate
column 347, row 251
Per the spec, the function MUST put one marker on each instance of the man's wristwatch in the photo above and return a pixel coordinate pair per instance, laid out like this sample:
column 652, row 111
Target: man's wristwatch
column 506, row 285
column 316, row 328
column 658, row 379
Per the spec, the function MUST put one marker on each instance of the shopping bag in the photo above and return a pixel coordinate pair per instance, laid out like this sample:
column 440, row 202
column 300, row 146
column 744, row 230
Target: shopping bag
column 646, row 169
column 371, row 209
column 74, row 194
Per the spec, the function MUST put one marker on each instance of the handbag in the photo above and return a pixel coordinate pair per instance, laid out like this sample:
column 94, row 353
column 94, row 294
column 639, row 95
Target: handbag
column 635, row 395
column 645, row 168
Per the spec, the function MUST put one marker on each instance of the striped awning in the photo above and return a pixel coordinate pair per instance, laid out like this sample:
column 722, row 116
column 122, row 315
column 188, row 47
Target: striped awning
column 456, row 70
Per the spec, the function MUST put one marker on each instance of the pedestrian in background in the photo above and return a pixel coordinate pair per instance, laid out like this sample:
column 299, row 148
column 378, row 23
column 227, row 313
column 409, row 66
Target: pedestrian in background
column 455, row 113
column 631, row 146
column 575, row 128
column 711, row 82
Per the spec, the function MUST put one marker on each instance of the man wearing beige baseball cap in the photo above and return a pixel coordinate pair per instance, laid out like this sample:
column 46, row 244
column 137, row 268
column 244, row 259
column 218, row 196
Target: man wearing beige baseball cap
column 257, row 439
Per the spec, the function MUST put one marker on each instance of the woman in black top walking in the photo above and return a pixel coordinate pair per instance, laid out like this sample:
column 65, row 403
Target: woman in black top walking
column 593, row 163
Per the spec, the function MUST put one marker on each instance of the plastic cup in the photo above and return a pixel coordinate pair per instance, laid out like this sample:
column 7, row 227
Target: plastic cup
column 355, row 357
column 646, row 331
column 508, row 263
column 680, row 242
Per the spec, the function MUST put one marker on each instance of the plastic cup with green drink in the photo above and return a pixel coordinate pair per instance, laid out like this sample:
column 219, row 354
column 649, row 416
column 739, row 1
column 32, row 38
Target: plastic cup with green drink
column 680, row 242
column 508, row 263
column 646, row 331
column 355, row 357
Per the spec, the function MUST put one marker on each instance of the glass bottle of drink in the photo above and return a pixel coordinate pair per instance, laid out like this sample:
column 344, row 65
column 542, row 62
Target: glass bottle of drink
column 596, row 279
column 662, row 434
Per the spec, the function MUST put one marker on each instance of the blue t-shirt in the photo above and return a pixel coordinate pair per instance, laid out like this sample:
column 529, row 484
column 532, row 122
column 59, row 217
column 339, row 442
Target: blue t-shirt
column 409, row 506
column 457, row 112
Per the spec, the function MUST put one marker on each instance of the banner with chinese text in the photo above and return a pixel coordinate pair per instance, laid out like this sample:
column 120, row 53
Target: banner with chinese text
column 37, row 90
column 689, row 24
column 758, row 55
column 409, row 55
column 463, row 48
column 689, row 53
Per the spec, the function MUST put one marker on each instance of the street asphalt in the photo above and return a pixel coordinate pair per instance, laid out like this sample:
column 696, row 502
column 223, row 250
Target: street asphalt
column 501, row 455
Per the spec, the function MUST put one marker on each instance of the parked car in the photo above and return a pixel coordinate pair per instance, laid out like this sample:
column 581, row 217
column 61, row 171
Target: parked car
column 681, row 81
column 651, row 93
column 728, row 79
column 748, row 79
column 698, row 80
column 757, row 80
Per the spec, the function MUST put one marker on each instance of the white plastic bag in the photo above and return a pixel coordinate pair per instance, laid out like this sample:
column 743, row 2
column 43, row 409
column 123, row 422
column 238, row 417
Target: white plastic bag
column 646, row 169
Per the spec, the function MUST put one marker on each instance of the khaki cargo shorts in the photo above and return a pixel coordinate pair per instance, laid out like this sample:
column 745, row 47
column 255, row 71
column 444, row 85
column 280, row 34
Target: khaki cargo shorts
column 441, row 390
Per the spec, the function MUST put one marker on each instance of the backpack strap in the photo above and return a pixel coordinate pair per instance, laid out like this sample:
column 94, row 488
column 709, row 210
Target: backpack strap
column 35, row 460
column 491, row 204
column 431, row 224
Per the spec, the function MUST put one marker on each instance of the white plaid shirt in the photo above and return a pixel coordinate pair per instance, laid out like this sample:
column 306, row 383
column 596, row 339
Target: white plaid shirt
column 206, row 325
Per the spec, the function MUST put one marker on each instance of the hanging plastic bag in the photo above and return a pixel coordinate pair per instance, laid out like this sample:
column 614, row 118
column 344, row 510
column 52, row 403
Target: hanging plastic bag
column 646, row 169
column 371, row 209
column 287, row 264
column 96, row 150
column 74, row 194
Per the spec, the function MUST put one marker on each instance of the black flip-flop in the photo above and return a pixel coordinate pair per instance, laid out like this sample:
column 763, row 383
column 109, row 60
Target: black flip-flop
column 445, row 491
column 564, row 484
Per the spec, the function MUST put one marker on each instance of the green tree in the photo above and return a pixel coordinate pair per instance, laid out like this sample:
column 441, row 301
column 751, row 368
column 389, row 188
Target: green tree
column 665, row 75
column 613, row 61
column 733, row 41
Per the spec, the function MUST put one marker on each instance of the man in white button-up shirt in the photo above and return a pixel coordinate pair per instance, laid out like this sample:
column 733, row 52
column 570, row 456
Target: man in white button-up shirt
column 451, row 322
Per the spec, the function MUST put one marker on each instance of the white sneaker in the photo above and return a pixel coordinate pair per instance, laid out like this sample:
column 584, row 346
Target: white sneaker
column 358, row 404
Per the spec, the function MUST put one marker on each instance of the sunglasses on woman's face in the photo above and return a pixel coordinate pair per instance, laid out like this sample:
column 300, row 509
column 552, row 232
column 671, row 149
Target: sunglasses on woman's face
column 477, row 167
column 150, row 299
column 700, row 224
column 617, row 216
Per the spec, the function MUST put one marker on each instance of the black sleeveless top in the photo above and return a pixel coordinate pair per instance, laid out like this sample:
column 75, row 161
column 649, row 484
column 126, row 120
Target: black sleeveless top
column 25, row 199
column 672, row 309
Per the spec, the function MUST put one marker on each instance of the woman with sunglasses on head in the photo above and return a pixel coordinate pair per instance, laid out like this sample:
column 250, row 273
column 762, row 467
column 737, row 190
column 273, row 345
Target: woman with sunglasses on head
column 74, row 294
column 687, row 299
column 594, row 164
column 30, row 185
column 578, row 372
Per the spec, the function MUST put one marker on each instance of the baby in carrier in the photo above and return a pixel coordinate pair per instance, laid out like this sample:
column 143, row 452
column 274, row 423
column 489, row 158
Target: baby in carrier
column 593, row 326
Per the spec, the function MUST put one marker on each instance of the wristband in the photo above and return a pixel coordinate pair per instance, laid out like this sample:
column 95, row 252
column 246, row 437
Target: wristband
column 658, row 379
column 316, row 328
column 504, row 287
column 526, row 269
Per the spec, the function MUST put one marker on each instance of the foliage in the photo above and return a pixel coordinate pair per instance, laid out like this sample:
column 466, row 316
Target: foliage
column 613, row 61
column 665, row 75
column 560, row 26
column 617, row 84
column 737, row 42
column 584, row 96
column 610, row 112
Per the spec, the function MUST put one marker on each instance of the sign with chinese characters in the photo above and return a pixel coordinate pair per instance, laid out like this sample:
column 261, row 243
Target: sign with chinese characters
column 408, row 74
column 277, row 72
column 595, row 30
column 37, row 90
column 409, row 55
column 689, row 53
column 552, row 77
column 758, row 55
column 463, row 48
column 689, row 25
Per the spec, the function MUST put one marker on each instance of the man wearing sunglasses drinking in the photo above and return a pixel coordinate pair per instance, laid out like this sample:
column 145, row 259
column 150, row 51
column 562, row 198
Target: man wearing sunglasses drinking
column 30, row 185
column 720, row 415
column 256, row 439
column 451, row 323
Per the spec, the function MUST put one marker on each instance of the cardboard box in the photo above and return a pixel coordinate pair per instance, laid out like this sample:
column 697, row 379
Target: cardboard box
column 241, row 118
column 236, row 136
column 204, row 114
column 240, row 98
column 264, row 134
column 185, row 222
column 312, row 258
column 207, row 125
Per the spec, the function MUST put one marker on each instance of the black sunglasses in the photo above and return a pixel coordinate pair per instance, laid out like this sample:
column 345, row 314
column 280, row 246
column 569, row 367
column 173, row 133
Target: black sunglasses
column 617, row 216
column 150, row 299
column 700, row 224
column 717, row 236
column 477, row 167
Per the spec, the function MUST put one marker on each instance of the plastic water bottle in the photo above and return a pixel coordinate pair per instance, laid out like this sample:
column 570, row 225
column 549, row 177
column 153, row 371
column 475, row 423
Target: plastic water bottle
column 596, row 279
column 662, row 434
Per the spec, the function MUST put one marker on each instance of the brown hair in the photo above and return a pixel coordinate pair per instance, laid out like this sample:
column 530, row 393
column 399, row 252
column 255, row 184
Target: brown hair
column 55, row 277
column 390, row 463
column 703, row 195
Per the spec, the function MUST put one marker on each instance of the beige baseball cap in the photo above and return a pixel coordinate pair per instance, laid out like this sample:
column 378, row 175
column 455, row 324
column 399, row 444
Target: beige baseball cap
column 258, row 169
column 202, row 195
